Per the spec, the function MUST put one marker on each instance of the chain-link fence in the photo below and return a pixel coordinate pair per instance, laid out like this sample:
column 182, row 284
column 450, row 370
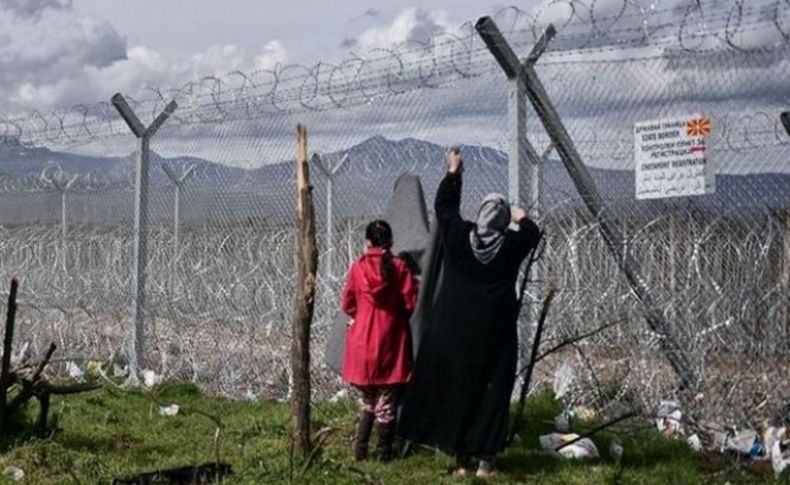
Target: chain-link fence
column 221, row 239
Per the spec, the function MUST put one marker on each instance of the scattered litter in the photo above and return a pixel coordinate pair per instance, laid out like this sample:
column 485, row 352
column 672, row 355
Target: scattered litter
column 694, row 443
column 119, row 370
column 616, row 450
column 580, row 450
column 14, row 473
column 778, row 462
column 757, row 450
column 585, row 415
column 668, row 418
column 340, row 396
column 563, row 378
column 205, row 473
column 94, row 368
column 150, row 378
column 771, row 434
column 250, row 396
column 739, row 442
column 20, row 357
column 74, row 371
column 563, row 420
column 171, row 410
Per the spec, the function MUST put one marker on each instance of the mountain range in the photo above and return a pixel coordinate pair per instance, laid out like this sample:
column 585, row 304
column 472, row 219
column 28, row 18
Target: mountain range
column 217, row 191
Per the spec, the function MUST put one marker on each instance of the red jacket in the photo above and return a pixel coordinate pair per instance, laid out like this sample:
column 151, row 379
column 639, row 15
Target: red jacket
column 378, row 342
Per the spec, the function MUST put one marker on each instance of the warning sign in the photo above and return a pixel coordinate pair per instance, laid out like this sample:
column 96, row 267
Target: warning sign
column 673, row 158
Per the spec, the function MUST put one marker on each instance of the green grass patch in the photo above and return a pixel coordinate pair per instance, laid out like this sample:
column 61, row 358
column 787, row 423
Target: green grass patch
column 109, row 433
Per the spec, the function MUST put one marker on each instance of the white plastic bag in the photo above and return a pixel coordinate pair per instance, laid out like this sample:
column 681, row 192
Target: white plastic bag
column 580, row 450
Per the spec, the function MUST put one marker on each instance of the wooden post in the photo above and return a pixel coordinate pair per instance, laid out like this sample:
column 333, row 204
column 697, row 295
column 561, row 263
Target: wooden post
column 305, row 300
column 8, row 340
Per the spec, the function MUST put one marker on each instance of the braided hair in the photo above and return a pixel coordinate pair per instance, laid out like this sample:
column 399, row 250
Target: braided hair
column 379, row 233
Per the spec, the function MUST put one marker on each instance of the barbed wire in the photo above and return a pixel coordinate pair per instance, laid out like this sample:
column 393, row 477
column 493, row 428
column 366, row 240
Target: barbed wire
column 588, row 32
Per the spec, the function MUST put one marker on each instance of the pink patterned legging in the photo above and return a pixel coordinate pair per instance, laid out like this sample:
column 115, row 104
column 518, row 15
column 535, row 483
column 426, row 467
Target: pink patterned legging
column 382, row 401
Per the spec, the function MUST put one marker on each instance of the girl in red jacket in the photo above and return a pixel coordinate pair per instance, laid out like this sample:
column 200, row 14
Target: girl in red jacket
column 379, row 296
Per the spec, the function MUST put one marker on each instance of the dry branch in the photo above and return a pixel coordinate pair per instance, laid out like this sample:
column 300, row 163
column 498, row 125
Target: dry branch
column 531, row 365
column 8, row 340
column 33, row 386
column 597, row 429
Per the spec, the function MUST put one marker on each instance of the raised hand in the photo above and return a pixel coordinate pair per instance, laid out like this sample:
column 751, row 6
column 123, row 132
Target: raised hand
column 517, row 213
column 455, row 164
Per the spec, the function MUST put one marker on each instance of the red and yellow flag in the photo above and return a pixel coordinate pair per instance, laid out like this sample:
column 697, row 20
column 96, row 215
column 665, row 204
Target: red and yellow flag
column 698, row 127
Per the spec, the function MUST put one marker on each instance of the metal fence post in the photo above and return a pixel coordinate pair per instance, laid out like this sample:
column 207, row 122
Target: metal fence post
column 62, row 183
column 139, row 250
column 178, row 182
column 522, row 155
column 329, row 173
column 517, row 129
column 581, row 178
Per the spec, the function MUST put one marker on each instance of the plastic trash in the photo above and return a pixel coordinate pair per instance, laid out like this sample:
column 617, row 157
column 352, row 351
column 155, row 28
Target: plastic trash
column 563, row 420
column 757, row 450
column 74, row 371
column 94, row 368
column 250, row 396
column 580, row 450
column 14, row 473
column 119, row 370
column 563, row 378
column 694, row 442
column 171, row 410
column 150, row 378
column 668, row 418
column 778, row 462
column 340, row 396
column 584, row 414
column 616, row 450
column 20, row 357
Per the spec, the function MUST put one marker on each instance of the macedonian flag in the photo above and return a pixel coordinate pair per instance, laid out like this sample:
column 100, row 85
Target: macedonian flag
column 698, row 127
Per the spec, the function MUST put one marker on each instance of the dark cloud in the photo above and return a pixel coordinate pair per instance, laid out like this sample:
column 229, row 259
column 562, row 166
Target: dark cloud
column 349, row 43
column 371, row 12
column 33, row 8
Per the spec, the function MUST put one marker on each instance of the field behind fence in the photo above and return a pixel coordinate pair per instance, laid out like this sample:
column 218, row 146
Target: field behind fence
column 221, row 240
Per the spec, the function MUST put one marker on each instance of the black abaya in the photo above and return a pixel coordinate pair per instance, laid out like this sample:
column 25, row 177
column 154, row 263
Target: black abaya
column 459, row 397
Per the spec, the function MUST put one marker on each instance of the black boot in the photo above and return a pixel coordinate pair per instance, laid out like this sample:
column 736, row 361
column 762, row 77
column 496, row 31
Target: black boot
column 386, row 437
column 362, row 438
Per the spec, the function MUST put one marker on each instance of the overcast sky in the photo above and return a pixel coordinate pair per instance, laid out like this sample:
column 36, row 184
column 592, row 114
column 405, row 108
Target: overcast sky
column 60, row 52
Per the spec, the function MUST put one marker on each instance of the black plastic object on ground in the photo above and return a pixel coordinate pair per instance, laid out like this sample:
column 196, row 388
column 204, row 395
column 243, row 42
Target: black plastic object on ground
column 188, row 475
column 785, row 117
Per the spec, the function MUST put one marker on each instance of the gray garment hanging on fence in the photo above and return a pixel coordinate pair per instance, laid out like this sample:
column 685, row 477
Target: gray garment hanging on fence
column 407, row 215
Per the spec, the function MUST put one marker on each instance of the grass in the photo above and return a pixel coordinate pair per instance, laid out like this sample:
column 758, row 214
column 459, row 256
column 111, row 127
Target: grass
column 112, row 433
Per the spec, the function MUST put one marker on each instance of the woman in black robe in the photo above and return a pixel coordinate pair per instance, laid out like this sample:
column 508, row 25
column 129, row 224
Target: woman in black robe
column 460, row 393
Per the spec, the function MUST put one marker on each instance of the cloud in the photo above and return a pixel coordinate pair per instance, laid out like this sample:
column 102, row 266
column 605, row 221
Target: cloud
column 273, row 53
column 411, row 25
column 33, row 8
column 349, row 43
column 52, row 56
column 44, row 47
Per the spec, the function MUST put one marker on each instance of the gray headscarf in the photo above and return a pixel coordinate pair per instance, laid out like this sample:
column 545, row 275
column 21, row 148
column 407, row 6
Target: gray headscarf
column 489, row 234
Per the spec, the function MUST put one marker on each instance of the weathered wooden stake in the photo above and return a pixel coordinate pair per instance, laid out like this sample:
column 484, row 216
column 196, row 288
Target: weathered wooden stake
column 304, row 303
